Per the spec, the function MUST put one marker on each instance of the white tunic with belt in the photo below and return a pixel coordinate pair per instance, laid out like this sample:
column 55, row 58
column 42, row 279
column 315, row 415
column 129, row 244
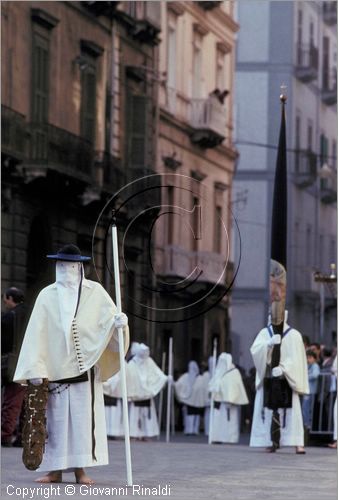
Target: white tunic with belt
column 294, row 366
column 75, row 439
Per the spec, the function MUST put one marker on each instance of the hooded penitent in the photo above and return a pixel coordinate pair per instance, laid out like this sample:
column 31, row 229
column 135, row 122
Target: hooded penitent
column 227, row 385
column 71, row 327
column 144, row 378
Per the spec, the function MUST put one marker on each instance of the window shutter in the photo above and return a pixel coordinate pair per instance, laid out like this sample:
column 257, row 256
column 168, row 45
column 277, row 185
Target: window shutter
column 88, row 103
column 138, row 131
column 40, row 88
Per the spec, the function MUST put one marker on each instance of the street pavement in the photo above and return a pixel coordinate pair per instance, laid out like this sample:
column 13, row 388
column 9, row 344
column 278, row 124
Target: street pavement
column 188, row 469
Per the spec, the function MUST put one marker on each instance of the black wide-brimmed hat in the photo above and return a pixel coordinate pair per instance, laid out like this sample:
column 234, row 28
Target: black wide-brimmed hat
column 70, row 253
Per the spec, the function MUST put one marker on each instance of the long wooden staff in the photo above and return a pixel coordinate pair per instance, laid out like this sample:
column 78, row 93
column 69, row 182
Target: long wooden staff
column 170, row 369
column 211, row 416
column 160, row 405
column 121, row 352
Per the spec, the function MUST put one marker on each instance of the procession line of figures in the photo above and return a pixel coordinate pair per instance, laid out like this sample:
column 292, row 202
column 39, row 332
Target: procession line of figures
column 220, row 389
column 193, row 390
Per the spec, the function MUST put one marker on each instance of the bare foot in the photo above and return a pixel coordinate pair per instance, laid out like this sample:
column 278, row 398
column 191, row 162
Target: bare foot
column 82, row 478
column 300, row 450
column 333, row 445
column 55, row 476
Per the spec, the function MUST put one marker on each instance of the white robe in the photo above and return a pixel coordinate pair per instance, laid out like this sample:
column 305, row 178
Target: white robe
column 144, row 381
column 294, row 366
column 228, row 392
column 191, row 394
column 69, row 427
column 114, row 414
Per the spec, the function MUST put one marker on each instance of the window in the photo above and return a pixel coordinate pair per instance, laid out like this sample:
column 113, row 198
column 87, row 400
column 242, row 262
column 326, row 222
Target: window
column 299, row 36
column 334, row 152
column 308, row 246
column 297, row 143
column 326, row 63
column 88, row 99
column 171, row 216
column 312, row 34
column 218, row 229
column 220, row 70
column 333, row 252
column 309, row 135
column 40, row 78
column 197, row 66
column 324, row 147
column 196, row 223
column 138, row 136
column 171, row 65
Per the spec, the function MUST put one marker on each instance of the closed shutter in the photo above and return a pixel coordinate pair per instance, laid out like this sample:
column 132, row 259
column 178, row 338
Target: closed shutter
column 138, row 122
column 88, row 103
column 40, row 87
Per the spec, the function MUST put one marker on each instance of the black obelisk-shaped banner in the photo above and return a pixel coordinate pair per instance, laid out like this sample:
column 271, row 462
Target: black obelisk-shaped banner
column 278, row 257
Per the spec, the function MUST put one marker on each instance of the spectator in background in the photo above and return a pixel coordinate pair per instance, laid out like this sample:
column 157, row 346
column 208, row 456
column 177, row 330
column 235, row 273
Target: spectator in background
column 327, row 360
column 315, row 347
column 13, row 323
column 306, row 341
column 313, row 374
column 334, row 443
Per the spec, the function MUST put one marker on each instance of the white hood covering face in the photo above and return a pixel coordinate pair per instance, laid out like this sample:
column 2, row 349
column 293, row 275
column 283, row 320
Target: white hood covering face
column 44, row 349
column 68, row 280
column 144, row 378
column 190, row 387
column 227, row 385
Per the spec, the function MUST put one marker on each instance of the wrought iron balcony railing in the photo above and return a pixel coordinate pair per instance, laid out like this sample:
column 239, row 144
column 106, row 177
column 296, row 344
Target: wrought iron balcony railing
column 306, row 62
column 329, row 87
column 330, row 13
column 53, row 147
column 328, row 187
column 305, row 168
column 13, row 133
column 208, row 120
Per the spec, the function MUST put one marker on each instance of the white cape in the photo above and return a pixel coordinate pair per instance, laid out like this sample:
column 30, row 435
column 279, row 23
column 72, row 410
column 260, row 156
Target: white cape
column 44, row 350
column 231, row 389
column 144, row 379
column 192, row 395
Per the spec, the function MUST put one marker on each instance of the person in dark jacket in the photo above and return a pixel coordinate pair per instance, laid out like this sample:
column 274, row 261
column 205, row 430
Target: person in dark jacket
column 13, row 323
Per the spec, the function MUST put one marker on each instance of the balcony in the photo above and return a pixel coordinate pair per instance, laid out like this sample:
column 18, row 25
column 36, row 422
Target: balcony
column 143, row 189
column 13, row 133
column 208, row 120
column 306, row 63
column 329, row 87
column 328, row 186
column 177, row 262
column 144, row 20
column 330, row 13
column 209, row 5
column 305, row 168
column 113, row 176
column 101, row 8
column 57, row 149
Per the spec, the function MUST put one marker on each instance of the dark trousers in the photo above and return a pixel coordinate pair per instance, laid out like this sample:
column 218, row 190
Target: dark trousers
column 13, row 396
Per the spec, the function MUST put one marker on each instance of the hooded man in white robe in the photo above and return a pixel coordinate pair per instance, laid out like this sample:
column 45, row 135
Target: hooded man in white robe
column 190, row 391
column 144, row 381
column 72, row 332
column 112, row 391
column 228, row 392
column 293, row 366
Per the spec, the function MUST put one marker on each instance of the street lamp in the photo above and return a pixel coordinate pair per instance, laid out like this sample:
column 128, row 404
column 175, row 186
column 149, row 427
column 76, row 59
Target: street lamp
column 329, row 279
